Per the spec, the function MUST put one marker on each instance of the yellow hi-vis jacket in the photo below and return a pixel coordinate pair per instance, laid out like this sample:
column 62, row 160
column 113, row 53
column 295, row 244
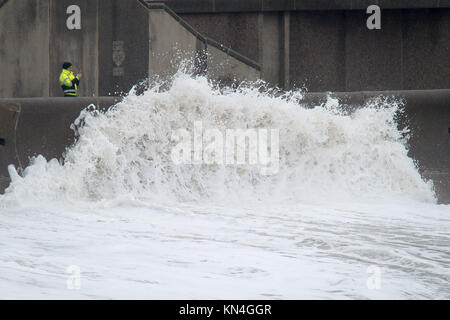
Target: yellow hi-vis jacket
column 69, row 83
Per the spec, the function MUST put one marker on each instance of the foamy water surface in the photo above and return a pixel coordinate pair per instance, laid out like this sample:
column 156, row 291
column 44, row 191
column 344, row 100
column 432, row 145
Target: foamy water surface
column 346, row 201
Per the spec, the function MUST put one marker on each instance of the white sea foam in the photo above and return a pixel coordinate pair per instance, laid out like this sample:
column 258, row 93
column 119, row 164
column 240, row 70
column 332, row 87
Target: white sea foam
column 346, row 200
column 324, row 153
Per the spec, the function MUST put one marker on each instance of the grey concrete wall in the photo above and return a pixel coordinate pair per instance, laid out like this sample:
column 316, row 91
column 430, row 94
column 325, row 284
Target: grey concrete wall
column 317, row 50
column 34, row 42
column 329, row 47
column 76, row 46
column 270, row 47
column 170, row 44
column 173, row 40
column 409, row 52
column 224, row 6
column 24, row 48
column 373, row 58
column 9, row 115
column 322, row 45
column 238, row 31
column 226, row 69
column 123, row 45
column 426, row 47
column 120, row 44
column 32, row 126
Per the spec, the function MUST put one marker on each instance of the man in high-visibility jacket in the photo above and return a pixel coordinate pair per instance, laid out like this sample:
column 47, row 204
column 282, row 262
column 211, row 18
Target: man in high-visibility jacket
column 69, row 83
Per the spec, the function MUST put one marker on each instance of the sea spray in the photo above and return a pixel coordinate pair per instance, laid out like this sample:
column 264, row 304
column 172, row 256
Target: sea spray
column 324, row 154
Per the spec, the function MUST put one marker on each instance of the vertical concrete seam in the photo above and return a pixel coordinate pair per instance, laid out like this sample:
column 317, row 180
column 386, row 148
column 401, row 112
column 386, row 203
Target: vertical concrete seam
column 345, row 51
column 402, row 82
column 150, row 53
column 97, row 51
column 286, row 49
column 49, row 46
column 260, row 44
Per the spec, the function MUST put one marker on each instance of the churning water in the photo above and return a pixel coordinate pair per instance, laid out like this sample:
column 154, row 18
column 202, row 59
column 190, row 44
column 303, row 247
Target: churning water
column 347, row 215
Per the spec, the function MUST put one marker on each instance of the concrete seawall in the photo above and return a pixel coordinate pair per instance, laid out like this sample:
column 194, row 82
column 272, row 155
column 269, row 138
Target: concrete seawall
column 33, row 126
column 117, row 45
column 326, row 45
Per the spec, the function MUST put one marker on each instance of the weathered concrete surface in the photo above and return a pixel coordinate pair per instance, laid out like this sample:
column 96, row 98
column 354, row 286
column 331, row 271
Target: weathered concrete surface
column 221, row 6
column 24, row 48
column 238, row 31
column 170, row 44
column 409, row 52
column 76, row 46
column 41, row 126
column 322, row 45
column 173, row 41
column 270, row 56
column 331, row 48
column 426, row 47
column 226, row 68
column 123, row 45
column 120, row 44
column 373, row 58
column 427, row 115
column 33, row 126
column 34, row 42
column 317, row 50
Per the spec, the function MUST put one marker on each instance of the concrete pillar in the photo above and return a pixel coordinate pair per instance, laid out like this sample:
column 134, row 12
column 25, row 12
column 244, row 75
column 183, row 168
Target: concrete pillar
column 123, row 45
column 24, row 48
column 285, row 48
column 269, row 43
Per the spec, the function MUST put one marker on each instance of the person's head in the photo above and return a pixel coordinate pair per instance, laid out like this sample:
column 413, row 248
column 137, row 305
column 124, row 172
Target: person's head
column 67, row 65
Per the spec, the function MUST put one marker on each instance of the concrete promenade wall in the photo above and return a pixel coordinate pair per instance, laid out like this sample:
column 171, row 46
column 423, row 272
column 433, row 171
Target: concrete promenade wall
column 321, row 44
column 226, row 67
column 24, row 72
column 33, row 126
column 78, row 46
column 173, row 41
column 120, row 44
column 326, row 45
column 123, row 45
column 215, row 6
column 41, row 126
column 170, row 44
